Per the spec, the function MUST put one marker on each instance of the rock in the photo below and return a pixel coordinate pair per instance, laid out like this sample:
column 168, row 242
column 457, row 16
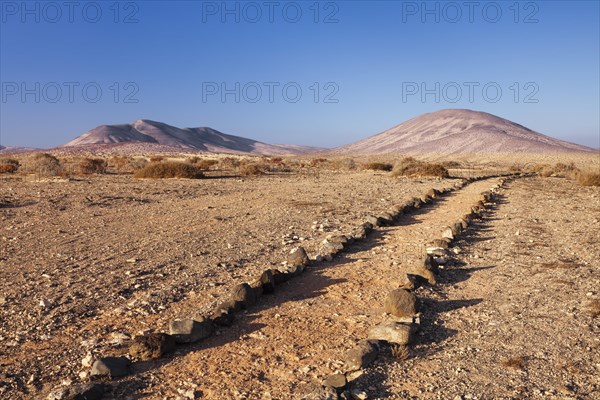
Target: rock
column 401, row 303
column 416, row 202
column 374, row 221
column 297, row 257
column 89, row 391
column 295, row 271
column 386, row 218
column 331, row 248
column 448, row 234
column 436, row 251
column 244, row 295
column 267, row 281
column 360, row 356
column 322, row 393
column 463, row 223
column 456, row 228
column 88, row 360
column 152, row 346
column 440, row 260
column 190, row 331
column 112, row 367
column 433, row 193
column 392, row 332
column 279, row 277
column 222, row 317
column 359, row 233
column 336, row 381
column 425, row 199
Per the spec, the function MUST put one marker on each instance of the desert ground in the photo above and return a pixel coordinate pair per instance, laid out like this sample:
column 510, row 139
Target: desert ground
column 90, row 263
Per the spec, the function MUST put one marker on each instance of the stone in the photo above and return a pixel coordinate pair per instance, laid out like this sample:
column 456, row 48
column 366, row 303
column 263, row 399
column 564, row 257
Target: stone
column 279, row 277
column 361, row 355
column 374, row 221
column 189, row 330
column 88, row 391
column 336, row 381
column 368, row 227
column 463, row 223
column 416, row 202
column 244, row 295
column 223, row 317
column 425, row 199
column 112, row 367
column 401, row 303
column 297, row 257
column 433, row 193
column 267, row 281
column 152, row 346
column 456, row 228
column 436, row 251
column 392, row 332
column 359, row 233
column 448, row 234
column 386, row 218
column 88, row 360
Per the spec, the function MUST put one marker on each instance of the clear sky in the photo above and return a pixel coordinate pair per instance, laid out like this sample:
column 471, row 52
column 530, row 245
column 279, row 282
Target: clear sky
column 239, row 67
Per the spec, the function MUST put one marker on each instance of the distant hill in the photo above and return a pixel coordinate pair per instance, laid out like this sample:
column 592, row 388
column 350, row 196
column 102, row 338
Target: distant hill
column 167, row 137
column 459, row 131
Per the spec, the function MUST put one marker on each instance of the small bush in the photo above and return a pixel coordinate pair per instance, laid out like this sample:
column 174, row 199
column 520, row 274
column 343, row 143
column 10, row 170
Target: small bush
column 203, row 164
column 251, row 169
column 344, row 164
column 588, row 178
column 229, row 163
column 377, row 166
column 451, row 164
column 409, row 166
column 317, row 161
column 156, row 158
column 89, row 166
column 169, row 169
column 8, row 168
column 43, row 164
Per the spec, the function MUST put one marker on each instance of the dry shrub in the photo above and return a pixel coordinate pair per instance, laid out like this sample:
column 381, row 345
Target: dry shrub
column 229, row 163
column 202, row 163
column 169, row 169
column 343, row 164
column 451, row 164
column 315, row 162
column 156, row 158
column 9, row 166
column 409, row 166
column 378, row 166
column 89, row 166
column 251, row 169
column 588, row 178
column 43, row 164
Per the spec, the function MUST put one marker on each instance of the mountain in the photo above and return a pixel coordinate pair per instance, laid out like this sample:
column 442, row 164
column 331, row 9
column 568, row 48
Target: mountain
column 167, row 137
column 458, row 131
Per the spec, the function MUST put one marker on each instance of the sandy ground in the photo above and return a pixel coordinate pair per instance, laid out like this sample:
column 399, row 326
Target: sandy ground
column 513, row 318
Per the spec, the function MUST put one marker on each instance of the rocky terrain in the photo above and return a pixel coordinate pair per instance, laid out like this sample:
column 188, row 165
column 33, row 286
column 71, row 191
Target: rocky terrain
column 92, row 268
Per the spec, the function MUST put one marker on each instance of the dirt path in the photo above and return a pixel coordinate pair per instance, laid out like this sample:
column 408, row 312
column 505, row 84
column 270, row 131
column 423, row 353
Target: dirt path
column 300, row 334
column 518, row 318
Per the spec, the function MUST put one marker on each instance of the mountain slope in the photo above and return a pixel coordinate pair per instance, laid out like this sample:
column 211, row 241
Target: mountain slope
column 458, row 131
column 202, row 139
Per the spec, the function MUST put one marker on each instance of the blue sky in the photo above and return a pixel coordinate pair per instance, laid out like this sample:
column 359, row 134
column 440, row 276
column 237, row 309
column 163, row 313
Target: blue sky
column 361, row 67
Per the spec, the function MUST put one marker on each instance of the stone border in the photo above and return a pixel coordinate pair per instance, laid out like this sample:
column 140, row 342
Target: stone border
column 243, row 296
column 402, row 304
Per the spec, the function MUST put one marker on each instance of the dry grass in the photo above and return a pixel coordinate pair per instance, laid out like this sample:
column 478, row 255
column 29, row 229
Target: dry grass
column 518, row 362
column 409, row 166
column 42, row 164
column 251, row 169
column 7, row 167
column 378, row 166
column 169, row 169
column 89, row 166
column 203, row 163
column 588, row 178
